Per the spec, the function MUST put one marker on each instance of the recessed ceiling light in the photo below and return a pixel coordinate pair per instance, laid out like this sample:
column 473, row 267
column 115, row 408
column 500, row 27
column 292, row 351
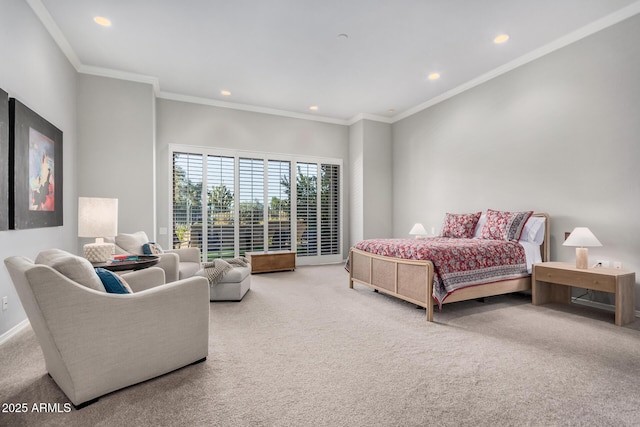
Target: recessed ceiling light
column 101, row 20
column 343, row 36
column 225, row 93
column 434, row 76
column 501, row 38
column 391, row 110
column 313, row 108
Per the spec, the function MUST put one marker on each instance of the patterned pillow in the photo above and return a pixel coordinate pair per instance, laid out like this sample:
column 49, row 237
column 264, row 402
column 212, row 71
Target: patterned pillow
column 460, row 226
column 152, row 248
column 504, row 225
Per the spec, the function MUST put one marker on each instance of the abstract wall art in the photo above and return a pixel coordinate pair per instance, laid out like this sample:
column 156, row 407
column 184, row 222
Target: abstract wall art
column 35, row 170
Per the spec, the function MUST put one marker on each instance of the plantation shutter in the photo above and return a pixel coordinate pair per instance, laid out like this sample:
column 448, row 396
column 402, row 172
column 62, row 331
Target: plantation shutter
column 221, row 207
column 279, row 198
column 306, row 209
column 251, row 196
column 187, row 200
column 251, row 202
column 330, row 210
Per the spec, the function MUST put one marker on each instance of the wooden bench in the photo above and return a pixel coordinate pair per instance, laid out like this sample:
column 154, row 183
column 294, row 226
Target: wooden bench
column 268, row 261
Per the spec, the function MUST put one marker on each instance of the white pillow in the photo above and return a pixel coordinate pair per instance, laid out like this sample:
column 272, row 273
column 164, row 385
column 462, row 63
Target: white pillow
column 132, row 243
column 533, row 230
column 479, row 225
column 71, row 266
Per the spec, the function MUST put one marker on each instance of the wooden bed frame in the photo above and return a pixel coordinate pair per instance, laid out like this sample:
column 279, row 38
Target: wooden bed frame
column 412, row 280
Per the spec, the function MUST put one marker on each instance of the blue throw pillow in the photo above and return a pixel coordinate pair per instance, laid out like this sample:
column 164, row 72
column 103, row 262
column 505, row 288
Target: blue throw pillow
column 112, row 282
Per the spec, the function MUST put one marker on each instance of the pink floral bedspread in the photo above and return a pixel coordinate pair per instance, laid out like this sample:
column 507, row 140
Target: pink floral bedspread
column 458, row 263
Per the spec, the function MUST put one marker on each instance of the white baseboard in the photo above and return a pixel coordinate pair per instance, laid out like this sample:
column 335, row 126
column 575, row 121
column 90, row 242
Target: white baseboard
column 13, row 331
column 599, row 305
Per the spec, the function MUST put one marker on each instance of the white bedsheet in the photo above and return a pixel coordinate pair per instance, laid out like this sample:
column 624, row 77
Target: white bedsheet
column 532, row 254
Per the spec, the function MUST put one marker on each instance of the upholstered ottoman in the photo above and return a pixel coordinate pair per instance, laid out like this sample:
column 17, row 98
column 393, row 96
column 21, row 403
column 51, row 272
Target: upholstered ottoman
column 232, row 286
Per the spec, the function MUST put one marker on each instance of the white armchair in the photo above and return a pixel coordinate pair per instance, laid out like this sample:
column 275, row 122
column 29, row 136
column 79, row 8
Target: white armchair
column 177, row 263
column 95, row 342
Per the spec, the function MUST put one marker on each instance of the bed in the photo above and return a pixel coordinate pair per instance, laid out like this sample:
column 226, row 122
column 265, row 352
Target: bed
column 386, row 265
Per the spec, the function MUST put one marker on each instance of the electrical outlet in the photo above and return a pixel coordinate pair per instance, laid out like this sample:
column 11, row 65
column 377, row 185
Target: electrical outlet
column 617, row 264
column 602, row 263
column 5, row 303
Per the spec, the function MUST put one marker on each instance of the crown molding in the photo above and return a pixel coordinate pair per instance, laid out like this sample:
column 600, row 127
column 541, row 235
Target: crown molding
column 246, row 107
column 50, row 25
column 121, row 75
column 373, row 117
column 587, row 30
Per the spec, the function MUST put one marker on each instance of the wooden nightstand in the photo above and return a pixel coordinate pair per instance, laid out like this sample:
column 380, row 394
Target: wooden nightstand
column 548, row 275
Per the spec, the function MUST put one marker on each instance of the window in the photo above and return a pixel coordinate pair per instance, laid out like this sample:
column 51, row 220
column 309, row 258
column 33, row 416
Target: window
column 251, row 179
column 330, row 209
column 187, row 200
column 220, row 207
column 279, row 196
column 307, row 209
column 247, row 204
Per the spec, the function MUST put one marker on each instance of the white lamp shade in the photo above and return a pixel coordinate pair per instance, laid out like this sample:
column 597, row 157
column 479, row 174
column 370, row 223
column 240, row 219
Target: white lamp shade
column 581, row 237
column 97, row 217
column 418, row 230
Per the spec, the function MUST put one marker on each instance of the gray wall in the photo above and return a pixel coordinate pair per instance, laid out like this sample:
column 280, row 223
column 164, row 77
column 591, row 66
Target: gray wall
column 558, row 135
column 370, row 157
column 34, row 71
column 116, row 124
column 207, row 126
column 356, row 179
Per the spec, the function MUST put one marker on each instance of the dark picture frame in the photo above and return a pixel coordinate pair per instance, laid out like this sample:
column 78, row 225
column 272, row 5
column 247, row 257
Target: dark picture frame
column 4, row 160
column 35, row 170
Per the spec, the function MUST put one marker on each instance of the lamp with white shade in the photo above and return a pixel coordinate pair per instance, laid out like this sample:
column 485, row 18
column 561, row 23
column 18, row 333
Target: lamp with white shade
column 582, row 238
column 97, row 217
column 418, row 231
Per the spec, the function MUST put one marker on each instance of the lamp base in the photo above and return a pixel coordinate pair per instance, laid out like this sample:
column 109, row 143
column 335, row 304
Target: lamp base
column 98, row 252
column 582, row 258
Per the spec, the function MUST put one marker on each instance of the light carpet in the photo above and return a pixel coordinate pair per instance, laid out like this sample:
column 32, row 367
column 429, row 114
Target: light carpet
column 302, row 349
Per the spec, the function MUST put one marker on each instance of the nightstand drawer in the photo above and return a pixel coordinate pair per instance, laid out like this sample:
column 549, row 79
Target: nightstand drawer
column 587, row 280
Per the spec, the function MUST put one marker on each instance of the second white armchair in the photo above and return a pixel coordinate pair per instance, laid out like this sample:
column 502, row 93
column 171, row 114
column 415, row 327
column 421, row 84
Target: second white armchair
column 177, row 264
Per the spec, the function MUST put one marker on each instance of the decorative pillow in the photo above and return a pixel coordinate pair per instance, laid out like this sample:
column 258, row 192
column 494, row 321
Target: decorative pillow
column 132, row 243
column 533, row 230
column 504, row 225
column 460, row 225
column 113, row 283
column 71, row 266
column 152, row 248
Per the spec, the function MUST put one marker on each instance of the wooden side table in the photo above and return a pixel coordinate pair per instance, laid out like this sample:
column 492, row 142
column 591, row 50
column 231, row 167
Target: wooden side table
column 268, row 261
column 547, row 277
column 143, row 261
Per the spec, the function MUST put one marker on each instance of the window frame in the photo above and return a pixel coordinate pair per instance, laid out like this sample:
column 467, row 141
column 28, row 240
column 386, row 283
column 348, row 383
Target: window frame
column 266, row 157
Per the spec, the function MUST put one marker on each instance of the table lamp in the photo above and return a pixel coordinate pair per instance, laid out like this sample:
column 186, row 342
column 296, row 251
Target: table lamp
column 418, row 230
column 97, row 217
column 581, row 238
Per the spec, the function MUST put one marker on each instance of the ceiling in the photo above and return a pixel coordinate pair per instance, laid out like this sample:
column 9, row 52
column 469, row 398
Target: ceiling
column 283, row 56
